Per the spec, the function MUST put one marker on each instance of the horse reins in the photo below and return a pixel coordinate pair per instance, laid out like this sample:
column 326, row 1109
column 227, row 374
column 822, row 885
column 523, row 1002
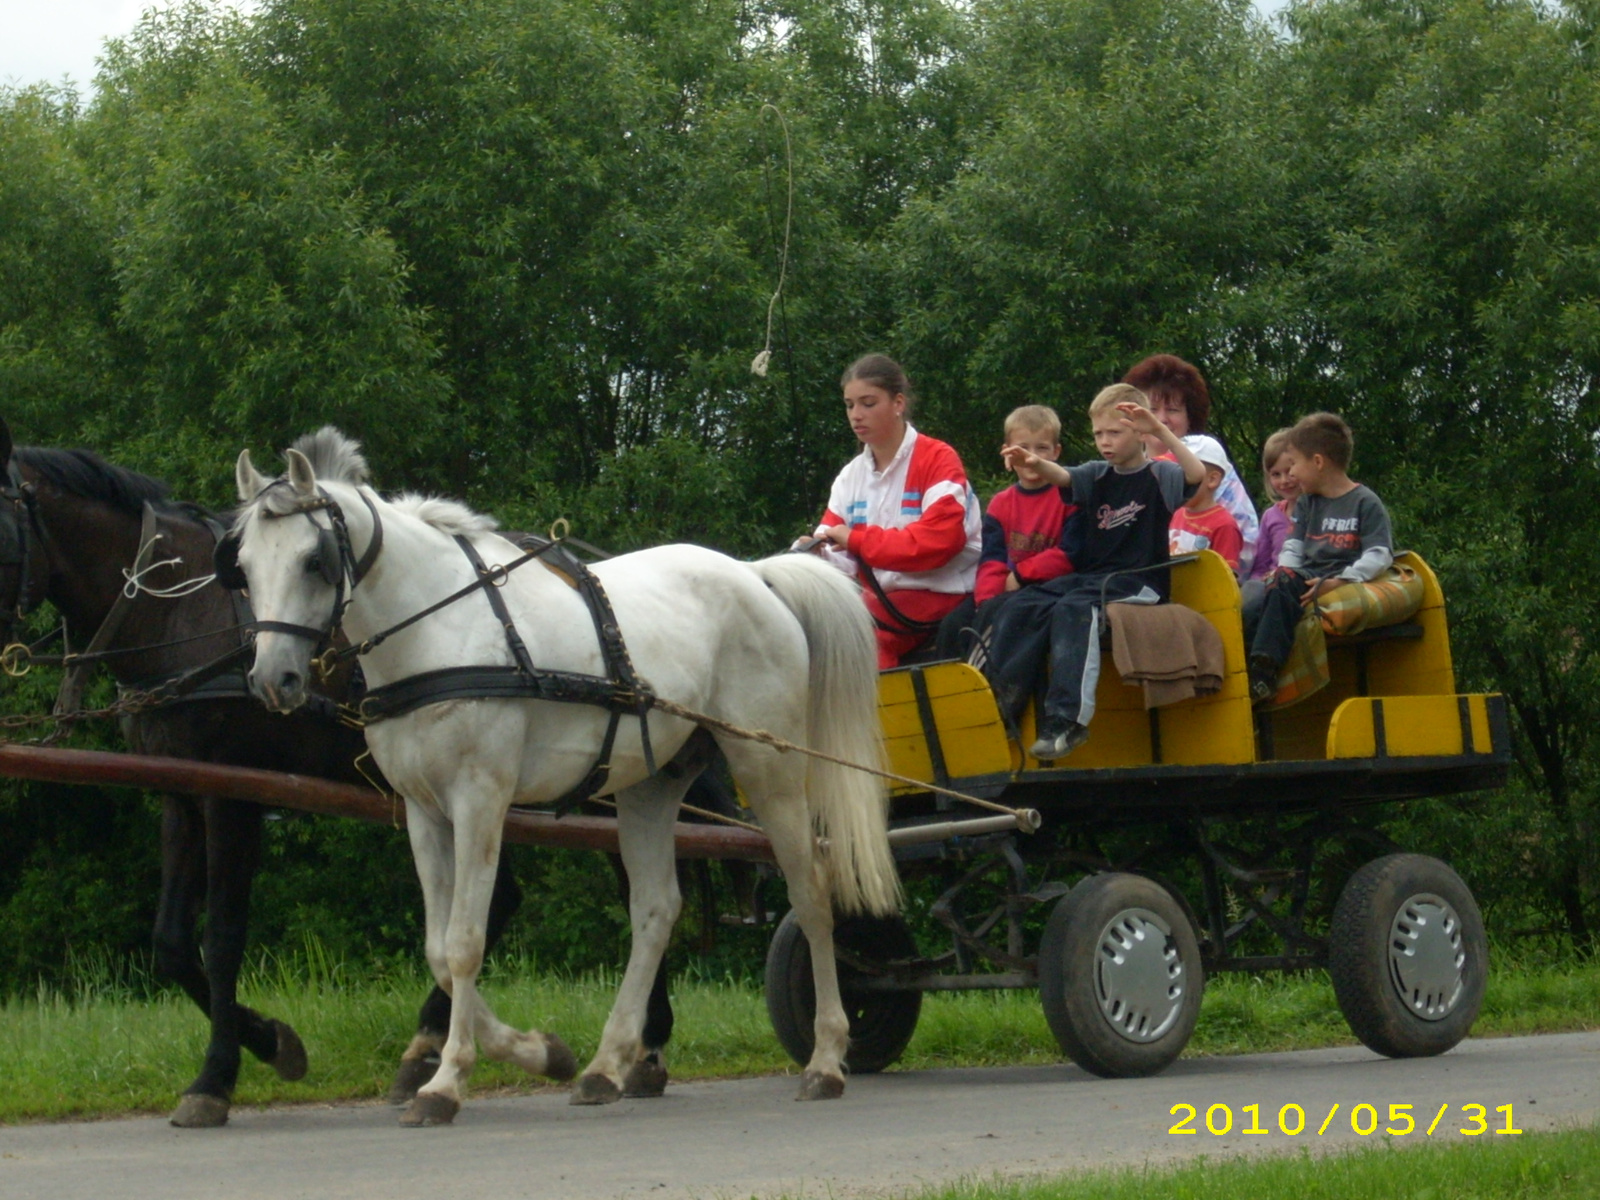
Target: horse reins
column 906, row 624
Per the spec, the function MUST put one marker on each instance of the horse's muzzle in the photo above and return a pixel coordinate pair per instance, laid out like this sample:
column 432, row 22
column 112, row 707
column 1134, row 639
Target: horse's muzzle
column 281, row 691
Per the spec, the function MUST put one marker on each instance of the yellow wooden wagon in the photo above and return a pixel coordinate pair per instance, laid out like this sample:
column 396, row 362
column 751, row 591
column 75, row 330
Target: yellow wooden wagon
column 1204, row 836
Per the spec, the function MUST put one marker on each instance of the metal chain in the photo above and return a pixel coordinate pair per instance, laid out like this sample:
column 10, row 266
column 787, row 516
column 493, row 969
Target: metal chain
column 126, row 705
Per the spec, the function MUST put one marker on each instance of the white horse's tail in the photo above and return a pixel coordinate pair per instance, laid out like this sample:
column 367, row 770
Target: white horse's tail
column 848, row 807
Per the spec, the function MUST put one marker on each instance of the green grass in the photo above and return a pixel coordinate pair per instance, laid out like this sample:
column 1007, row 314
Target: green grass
column 97, row 1049
column 1536, row 1166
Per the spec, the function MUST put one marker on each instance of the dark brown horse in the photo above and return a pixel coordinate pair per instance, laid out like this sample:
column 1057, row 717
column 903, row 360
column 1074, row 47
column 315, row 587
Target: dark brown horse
column 74, row 525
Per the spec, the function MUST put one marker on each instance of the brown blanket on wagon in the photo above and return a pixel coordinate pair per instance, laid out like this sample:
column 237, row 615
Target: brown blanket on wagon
column 1172, row 651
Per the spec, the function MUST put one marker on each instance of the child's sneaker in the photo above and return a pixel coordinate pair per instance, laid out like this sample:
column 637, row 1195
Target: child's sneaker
column 1054, row 745
column 1263, row 679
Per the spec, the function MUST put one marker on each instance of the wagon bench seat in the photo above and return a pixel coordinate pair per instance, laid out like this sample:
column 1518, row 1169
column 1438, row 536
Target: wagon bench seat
column 1392, row 696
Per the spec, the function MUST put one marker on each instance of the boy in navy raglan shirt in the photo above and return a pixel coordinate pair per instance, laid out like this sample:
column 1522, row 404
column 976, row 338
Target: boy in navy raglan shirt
column 1340, row 535
column 1128, row 501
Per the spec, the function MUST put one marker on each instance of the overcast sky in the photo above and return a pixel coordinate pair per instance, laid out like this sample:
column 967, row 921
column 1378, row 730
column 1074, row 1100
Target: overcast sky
column 57, row 39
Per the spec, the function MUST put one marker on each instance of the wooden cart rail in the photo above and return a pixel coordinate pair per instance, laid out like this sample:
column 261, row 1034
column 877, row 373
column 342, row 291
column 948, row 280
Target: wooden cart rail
column 309, row 794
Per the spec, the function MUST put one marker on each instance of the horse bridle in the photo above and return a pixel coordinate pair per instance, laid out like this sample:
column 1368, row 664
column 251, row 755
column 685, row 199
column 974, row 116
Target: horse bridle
column 336, row 562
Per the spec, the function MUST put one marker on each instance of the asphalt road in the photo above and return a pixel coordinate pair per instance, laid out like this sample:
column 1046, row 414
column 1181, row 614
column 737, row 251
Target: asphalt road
column 890, row 1133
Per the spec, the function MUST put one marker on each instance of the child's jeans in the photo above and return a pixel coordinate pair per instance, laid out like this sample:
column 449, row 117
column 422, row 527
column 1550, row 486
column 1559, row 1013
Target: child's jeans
column 1269, row 626
column 1063, row 618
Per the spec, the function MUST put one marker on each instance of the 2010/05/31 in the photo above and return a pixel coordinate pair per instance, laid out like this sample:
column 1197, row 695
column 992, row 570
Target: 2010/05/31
column 1363, row 1120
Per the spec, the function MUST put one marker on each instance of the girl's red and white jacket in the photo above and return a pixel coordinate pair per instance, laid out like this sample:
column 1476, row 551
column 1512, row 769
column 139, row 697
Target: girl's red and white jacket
column 916, row 523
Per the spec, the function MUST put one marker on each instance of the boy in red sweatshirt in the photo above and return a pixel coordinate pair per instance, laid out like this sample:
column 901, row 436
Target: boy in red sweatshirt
column 1029, row 537
column 1029, row 532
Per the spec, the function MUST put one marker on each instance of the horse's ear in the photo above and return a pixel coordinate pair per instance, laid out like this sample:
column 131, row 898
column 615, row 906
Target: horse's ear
column 247, row 477
column 301, row 475
column 5, row 442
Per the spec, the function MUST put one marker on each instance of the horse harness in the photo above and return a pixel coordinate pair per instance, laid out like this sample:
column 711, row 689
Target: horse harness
column 19, row 516
column 220, row 678
column 620, row 691
column 20, row 529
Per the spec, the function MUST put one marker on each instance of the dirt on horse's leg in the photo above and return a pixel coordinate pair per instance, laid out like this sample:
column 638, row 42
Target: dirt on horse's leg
column 535, row 1052
column 433, row 849
column 421, row 1057
column 780, row 807
column 647, row 1078
column 645, row 816
column 456, row 947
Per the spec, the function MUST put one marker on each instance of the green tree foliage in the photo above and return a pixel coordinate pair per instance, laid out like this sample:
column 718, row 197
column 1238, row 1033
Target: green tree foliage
column 57, row 292
column 525, row 250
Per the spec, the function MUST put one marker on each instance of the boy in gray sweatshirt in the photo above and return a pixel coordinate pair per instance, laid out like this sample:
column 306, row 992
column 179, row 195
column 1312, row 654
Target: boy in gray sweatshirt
column 1340, row 535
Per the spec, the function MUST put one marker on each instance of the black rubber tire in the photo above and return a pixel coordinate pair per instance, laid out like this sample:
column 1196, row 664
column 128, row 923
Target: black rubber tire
column 1070, row 958
column 881, row 1023
column 1359, row 960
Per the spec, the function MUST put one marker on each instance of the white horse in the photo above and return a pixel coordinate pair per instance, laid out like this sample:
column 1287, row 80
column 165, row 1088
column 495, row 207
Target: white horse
column 783, row 645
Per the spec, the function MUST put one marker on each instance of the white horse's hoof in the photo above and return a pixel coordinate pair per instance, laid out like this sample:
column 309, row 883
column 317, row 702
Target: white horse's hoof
column 290, row 1060
column 198, row 1111
column 814, row 1085
column 595, row 1089
column 430, row 1108
column 560, row 1063
column 645, row 1080
column 412, row 1075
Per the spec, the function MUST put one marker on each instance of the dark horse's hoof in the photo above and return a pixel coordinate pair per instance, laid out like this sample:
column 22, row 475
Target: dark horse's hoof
column 595, row 1089
column 198, row 1111
column 646, row 1079
column 430, row 1108
column 560, row 1063
column 814, row 1085
column 412, row 1075
column 290, row 1060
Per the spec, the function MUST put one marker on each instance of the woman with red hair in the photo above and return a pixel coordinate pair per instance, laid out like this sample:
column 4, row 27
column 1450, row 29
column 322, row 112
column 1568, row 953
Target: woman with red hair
column 1182, row 402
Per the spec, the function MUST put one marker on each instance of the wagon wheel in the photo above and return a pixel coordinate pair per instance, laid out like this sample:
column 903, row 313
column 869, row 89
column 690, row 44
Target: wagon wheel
column 1120, row 975
column 1408, row 956
column 881, row 1023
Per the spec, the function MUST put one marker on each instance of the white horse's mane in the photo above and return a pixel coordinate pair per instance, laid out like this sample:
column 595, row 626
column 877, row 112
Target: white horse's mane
column 447, row 516
column 338, row 459
column 333, row 456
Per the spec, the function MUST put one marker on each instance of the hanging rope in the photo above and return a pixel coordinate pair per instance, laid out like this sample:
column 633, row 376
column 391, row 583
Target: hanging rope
column 135, row 578
column 758, row 365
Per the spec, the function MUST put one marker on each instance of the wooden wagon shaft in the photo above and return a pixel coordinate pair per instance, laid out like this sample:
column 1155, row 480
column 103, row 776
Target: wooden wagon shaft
column 311, row 794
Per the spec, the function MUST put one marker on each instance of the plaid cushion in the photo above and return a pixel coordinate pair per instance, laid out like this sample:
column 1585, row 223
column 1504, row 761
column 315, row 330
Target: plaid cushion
column 1387, row 600
column 1305, row 672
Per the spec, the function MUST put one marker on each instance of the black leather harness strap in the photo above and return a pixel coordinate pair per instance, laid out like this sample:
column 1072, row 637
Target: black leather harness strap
column 491, row 588
column 69, row 698
column 349, row 567
column 620, row 691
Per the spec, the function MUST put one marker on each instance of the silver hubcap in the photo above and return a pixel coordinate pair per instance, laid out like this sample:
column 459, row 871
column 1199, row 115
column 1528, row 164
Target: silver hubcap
column 1139, row 978
column 1426, row 956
